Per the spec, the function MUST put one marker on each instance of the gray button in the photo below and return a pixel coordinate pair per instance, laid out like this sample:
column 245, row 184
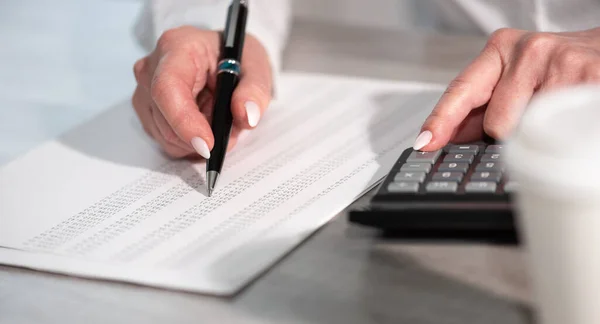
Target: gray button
column 403, row 187
column 490, row 167
column 424, row 157
column 491, row 157
column 410, row 177
column 486, row 176
column 480, row 187
column 460, row 157
column 442, row 186
column 454, row 167
column 511, row 186
column 464, row 149
column 494, row 149
column 447, row 176
column 412, row 167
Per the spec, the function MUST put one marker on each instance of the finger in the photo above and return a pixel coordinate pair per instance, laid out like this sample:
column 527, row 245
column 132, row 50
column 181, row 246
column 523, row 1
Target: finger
column 508, row 102
column 167, row 133
column 236, row 132
column 141, row 73
column 471, row 89
column 205, row 103
column 167, row 145
column 172, row 150
column 142, row 106
column 253, row 93
column 172, row 90
column 471, row 129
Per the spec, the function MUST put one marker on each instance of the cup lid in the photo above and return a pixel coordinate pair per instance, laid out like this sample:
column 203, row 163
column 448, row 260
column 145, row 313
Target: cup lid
column 557, row 143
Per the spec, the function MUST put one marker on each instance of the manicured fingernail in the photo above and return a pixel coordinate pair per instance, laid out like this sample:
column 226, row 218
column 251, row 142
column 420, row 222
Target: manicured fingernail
column 252, row 113
column 201, row 147
column 423, row 139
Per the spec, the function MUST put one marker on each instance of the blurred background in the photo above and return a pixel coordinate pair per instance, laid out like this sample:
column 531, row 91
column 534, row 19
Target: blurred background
column 63, row 61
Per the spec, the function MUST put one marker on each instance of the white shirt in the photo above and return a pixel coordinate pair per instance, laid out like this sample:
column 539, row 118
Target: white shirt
column 537, row 15
column 269, row 20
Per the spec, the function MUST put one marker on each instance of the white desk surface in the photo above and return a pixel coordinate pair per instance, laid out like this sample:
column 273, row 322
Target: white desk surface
column 61, row 62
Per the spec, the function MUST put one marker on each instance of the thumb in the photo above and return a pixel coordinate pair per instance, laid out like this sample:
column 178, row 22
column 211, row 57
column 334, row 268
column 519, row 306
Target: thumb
column 253, row 93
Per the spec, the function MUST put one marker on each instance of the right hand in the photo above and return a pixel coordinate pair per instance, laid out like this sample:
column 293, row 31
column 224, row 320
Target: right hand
column 176, row 84
column 490, row 96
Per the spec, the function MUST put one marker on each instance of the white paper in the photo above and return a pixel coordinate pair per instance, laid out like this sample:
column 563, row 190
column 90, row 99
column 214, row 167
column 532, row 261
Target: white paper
column 102, row 202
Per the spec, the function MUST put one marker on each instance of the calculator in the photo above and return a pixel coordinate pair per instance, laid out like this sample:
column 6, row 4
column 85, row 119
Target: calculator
column 459, row 189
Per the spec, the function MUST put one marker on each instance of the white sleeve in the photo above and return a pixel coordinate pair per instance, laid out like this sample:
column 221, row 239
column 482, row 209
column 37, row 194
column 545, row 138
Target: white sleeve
column 268, row 20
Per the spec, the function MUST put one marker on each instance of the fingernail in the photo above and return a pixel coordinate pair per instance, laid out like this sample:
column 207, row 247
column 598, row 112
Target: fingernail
column 423, row 139
column 201, row 147
column 252, row 113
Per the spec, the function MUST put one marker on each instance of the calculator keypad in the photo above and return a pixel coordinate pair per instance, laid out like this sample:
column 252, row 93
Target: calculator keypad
column 459, row 157
column 494, row 148
column 447, row 176
column 455, row 169
column 494, row 177
column 489, row 166
column 416, row 167
column 424, row 157
column 410, row 177
column 403, row 187
column 474, row 149
column 491, row 157
column 480, row 187
column 442, row 186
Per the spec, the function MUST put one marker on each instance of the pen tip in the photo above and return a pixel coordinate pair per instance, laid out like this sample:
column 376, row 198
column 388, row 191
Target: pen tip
column 211, row 179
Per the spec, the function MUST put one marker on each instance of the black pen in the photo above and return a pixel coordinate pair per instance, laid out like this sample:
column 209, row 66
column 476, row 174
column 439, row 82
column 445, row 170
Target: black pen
column 228, row 73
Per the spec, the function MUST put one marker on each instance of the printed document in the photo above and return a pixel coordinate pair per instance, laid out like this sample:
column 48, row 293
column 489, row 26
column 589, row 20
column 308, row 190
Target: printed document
column 102, row 201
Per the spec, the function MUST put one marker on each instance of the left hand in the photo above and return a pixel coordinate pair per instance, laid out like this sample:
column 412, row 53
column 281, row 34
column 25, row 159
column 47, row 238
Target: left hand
column 490, row 95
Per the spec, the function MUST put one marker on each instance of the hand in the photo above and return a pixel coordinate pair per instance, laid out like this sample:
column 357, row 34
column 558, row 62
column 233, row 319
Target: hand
column 490, row 95
column 176, row 84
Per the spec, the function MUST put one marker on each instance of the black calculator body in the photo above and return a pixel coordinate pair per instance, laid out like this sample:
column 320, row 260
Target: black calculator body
column 459, row 189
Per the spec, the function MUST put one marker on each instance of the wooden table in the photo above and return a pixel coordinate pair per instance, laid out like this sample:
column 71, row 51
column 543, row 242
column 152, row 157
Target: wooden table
column 342, row 274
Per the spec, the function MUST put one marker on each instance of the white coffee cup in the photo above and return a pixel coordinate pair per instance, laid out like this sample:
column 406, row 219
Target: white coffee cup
column 554, row 156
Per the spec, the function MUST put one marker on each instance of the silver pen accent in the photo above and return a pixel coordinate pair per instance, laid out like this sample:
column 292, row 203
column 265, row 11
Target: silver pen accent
column 211, row 181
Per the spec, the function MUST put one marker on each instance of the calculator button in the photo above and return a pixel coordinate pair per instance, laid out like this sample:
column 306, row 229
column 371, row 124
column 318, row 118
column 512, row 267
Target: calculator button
column 454, row 167
column 412, row 167
column 490, row 157
column 460, row 157
column 464, row 149
column 424, row 157
column 410, row 177
column 511, row 186
column 494, row 149
column 486, row 176
column 441, row 186
column 489, row 166
column 403, row 187
column 480, row 187
column 447, row 176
